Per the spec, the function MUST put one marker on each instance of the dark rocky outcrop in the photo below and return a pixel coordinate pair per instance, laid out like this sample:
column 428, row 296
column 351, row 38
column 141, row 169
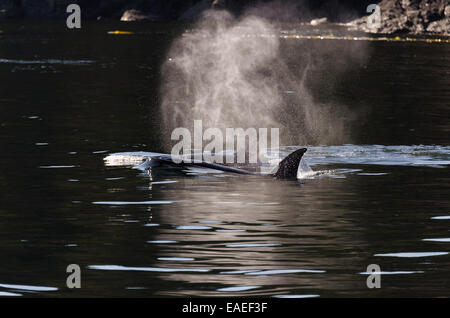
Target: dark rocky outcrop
column 410, row 16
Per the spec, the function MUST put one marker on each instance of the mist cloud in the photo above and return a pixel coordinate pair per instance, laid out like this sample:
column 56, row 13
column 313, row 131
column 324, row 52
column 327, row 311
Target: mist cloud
column 232, row 72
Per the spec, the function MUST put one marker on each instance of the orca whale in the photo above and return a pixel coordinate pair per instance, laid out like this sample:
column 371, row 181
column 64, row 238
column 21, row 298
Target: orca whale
column 287, row 168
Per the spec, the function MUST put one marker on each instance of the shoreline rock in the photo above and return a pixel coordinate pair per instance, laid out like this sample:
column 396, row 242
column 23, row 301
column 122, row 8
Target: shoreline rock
column 409, row 16
column 315, row 22
column 136, row 15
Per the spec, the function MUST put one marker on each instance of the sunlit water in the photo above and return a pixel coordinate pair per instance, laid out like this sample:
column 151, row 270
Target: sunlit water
column 384, row 199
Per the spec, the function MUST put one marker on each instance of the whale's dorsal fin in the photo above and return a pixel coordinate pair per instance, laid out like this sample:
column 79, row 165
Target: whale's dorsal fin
column 287, row 168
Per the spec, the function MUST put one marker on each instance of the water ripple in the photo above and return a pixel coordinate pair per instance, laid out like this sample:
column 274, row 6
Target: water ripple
column 163, row 182
column 193, row 227
column 47, row 61
column 413, row 254
column 28, row 287
column 392, row 273
column 444, row 239
column 253, row 245
column 285, row 271
column 237, row 288
column 57, row 167
column 176, row 259
column 9, row 294
column 238, row 272
column 131, row 203
column 296, row 296
column 147, row 269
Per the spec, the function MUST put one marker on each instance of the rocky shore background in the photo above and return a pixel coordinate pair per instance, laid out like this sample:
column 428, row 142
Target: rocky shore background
column 410, row 16
column 397, row 16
